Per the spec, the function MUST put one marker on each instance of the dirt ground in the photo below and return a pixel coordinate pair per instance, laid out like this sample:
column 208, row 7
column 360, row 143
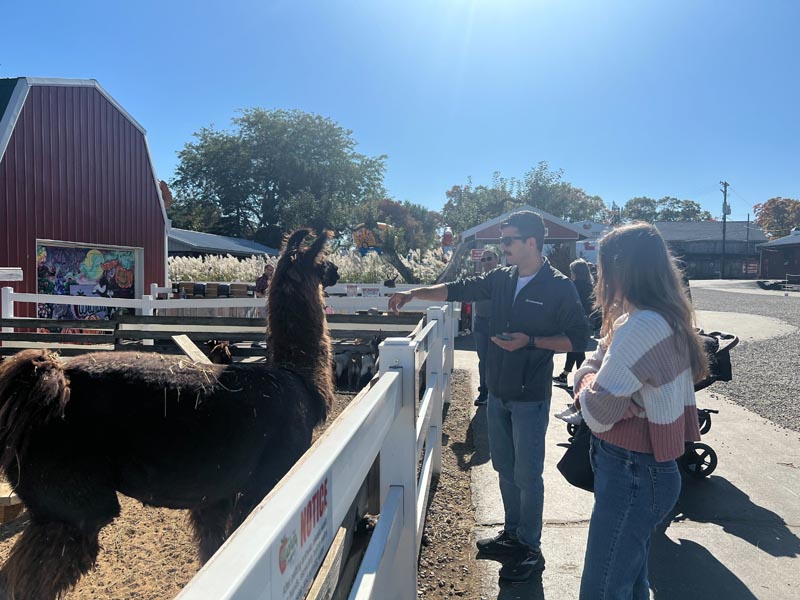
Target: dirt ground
column 148, row 553
column 447, row 560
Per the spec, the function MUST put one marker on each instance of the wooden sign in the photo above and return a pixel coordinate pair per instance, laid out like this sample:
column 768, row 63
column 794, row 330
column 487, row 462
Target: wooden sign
column 10, row 274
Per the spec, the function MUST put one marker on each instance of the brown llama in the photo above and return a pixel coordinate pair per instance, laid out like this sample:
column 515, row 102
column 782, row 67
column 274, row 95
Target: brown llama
column 213, row 439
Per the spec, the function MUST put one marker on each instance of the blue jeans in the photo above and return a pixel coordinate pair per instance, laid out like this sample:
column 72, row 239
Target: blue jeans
column 481, row 335
column 633, row 493
column 516, row 442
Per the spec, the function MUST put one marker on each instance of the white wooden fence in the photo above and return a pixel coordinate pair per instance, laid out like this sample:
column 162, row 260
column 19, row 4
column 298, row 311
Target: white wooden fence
column 277, row 551
column 148, row 304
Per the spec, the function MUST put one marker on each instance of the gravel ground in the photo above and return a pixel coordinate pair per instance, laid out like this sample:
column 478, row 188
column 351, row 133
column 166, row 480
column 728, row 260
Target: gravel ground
column 766, row 373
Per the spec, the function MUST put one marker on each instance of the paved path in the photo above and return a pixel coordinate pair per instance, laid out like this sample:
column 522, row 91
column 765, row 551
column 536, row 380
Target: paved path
column 734, row 535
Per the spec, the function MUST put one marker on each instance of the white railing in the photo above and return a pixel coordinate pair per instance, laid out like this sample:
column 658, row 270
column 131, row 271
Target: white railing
column 148, row 304
column 277, row 551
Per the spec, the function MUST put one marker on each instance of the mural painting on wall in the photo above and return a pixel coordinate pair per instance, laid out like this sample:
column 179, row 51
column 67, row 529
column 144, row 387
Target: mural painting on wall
column 88, row 272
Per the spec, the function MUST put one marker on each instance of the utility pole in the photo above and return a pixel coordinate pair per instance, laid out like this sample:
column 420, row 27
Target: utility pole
column 726, row 210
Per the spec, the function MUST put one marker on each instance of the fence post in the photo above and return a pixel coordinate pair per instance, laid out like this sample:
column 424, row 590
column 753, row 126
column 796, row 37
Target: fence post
column 7, row 306
column 147, row 311
column 436, row 368
column 154, row 290
column 398, row 467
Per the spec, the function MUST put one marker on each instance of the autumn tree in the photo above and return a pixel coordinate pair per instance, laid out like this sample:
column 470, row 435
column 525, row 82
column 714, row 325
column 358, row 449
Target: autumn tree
column 777, row 216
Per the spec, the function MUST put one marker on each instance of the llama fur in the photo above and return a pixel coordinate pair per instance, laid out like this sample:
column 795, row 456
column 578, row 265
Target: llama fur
column 213, row 439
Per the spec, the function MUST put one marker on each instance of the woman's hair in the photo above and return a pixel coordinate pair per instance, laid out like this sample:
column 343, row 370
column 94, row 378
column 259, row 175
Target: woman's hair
column 635, row 267
column 580, row 271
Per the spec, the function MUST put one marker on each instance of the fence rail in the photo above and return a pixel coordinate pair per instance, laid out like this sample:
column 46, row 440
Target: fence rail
column 261, row 560
column 277, row 551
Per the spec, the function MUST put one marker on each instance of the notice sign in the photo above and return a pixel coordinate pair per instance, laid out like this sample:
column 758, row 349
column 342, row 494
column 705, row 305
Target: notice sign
column 476, row 254
column 303, row 545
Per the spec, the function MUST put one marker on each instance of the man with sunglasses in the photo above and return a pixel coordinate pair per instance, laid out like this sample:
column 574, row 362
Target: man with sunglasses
column 535, row 312
column 480, row 328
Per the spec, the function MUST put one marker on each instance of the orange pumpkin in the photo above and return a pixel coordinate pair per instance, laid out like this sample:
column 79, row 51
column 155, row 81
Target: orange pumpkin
column 124, row 277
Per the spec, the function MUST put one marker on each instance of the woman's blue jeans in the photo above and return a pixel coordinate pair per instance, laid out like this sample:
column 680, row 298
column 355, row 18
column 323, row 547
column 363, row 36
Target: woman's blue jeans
column 633, row 493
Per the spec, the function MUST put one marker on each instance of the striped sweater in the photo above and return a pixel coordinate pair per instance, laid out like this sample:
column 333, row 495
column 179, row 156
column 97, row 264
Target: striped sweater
column 642, row 397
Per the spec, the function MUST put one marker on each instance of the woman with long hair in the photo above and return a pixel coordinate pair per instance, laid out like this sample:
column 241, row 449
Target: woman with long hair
column 636, row 394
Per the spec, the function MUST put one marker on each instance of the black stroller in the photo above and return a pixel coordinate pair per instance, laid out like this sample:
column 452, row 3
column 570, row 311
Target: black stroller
column 699, row 460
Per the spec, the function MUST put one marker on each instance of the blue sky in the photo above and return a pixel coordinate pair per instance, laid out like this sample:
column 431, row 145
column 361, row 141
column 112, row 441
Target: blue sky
column 629, row 97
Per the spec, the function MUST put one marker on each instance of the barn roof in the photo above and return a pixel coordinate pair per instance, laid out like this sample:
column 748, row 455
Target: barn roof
column 14, row 92
column 696, row 231
column 793, row 239
column 198, row 241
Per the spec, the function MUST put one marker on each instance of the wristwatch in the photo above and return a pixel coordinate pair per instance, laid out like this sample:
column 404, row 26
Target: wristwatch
column 531, row 342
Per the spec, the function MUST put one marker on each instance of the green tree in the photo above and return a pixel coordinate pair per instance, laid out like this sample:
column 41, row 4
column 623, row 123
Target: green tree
column 672, row 209
column 274, row 171
column 777, row 216
column 468, row 206
column 547, row 190
column 667, row 208
column 541, row 188
column 641, row 208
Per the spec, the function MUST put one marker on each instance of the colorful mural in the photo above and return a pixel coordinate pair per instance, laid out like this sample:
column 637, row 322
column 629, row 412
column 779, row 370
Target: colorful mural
column 89, row 272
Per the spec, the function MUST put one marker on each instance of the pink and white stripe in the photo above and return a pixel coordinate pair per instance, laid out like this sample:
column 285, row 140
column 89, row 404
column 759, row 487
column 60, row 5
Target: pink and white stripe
column 642, row 397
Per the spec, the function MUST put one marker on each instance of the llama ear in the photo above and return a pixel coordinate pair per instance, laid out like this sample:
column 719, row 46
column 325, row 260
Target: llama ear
column 295, row 239
column 319, row 244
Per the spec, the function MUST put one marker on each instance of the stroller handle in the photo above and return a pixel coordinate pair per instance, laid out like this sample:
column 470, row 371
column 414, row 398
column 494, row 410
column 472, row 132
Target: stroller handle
column 727, row 341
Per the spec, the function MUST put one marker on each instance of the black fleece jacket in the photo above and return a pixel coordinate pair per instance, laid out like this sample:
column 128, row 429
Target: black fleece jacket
column 548, row 305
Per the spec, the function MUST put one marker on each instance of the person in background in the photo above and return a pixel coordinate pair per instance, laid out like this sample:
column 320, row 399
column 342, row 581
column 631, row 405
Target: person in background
column 636, row 394
column 584, row 282
column 262, row 286
column 535, row 312
column 262, row 283
column 481, row 330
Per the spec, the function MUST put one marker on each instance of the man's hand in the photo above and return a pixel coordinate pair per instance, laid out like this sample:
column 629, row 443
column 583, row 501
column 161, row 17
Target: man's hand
column 399, row 300
column 518, row 340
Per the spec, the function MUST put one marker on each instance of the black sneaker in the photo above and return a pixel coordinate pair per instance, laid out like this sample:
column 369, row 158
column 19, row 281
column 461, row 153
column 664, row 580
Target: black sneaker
column 480, row 400
column 524, row 567
column 560, row 380
column 503, row 543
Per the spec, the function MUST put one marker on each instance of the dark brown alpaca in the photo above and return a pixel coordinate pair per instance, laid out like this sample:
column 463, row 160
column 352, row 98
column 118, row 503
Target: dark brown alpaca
column 212, row 439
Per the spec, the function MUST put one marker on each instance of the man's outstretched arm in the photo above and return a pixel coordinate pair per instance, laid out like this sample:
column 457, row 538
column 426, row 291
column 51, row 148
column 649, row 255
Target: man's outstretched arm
column 436, row 292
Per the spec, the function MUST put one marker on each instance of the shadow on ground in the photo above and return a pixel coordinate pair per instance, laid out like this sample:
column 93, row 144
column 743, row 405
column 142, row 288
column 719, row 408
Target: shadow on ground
column 474, row 450
column 686, row 569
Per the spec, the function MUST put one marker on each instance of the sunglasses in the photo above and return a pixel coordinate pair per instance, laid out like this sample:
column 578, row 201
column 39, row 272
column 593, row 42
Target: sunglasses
column 507, row 240
column 488, row 258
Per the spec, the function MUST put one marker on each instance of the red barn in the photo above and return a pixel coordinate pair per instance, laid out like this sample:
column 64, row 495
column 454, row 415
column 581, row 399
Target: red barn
column 80, row 206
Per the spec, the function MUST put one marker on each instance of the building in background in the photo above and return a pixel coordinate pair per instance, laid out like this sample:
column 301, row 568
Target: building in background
column 699, row 245
column 81, row 205
column 557, row 231
column 183, row 242
column 781, row 257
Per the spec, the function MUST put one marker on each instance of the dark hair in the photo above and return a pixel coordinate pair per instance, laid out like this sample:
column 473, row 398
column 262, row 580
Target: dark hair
column 580, row 271
column 635, row 266
column 529, row 224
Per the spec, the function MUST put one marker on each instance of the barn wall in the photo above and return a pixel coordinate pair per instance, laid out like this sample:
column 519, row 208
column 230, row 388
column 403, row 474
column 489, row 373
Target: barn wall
column 76, row 169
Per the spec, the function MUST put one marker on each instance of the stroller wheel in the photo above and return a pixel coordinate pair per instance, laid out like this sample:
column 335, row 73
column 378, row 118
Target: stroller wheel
column 699, row 460
column 571, row 429
column 705, row 421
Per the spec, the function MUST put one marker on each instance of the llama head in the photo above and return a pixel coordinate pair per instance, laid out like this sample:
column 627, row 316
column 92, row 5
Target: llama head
column 297, row 261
